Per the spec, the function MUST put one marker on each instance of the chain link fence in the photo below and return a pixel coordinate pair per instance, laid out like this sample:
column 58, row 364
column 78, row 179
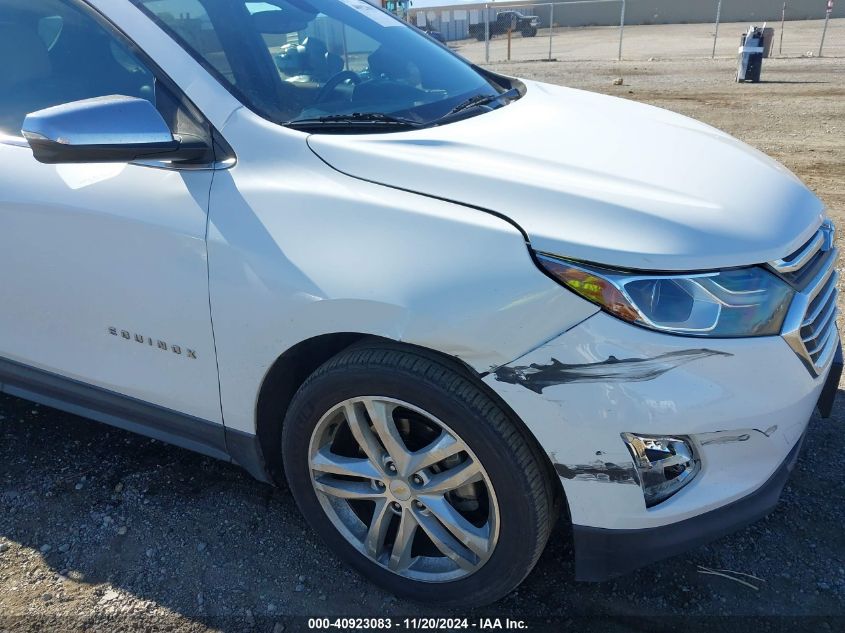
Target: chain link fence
column 633, row 29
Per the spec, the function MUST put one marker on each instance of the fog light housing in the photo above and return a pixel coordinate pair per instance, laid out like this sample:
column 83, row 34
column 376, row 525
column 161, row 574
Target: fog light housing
column 664, row 464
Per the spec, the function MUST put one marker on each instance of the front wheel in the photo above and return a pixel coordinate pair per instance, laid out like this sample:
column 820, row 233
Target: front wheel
column 417, row 478
column 529, row 31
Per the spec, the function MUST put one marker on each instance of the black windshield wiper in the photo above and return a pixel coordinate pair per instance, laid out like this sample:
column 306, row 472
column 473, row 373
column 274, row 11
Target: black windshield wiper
column 355, row 119
column 479, row 100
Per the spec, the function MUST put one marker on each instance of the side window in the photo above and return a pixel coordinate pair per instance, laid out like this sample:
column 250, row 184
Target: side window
column 189, row 20
column 54, row 52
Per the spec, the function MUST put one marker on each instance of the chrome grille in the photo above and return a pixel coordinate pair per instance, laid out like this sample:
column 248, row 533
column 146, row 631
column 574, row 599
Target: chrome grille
column 803, row 255
column 810, row 325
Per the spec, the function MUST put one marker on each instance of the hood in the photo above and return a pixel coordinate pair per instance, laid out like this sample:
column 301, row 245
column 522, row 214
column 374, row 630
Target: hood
column 599, row 179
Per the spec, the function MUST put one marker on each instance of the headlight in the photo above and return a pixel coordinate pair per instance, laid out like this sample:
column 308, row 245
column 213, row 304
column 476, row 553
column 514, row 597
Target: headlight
column 729, row 303
column 664, row 464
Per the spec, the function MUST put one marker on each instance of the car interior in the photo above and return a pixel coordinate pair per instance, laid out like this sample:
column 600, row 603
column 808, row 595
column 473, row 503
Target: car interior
column 295, row 59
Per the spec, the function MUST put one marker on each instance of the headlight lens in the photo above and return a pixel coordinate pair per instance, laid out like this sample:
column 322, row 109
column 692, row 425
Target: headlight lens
column 729, row 303
column 664, row 464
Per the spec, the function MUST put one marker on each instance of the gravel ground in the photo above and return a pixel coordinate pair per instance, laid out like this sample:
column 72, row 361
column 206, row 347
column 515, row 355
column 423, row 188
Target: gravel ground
column 103, row 530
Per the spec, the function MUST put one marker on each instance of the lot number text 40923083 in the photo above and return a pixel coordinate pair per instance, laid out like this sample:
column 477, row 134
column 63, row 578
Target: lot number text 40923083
column 481, row 624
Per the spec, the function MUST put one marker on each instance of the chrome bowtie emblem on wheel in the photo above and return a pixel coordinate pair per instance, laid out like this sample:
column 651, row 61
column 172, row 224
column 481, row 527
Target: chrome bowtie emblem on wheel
column 400, row 490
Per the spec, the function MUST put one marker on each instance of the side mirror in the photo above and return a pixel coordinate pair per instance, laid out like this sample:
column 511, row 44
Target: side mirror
column 114, row 129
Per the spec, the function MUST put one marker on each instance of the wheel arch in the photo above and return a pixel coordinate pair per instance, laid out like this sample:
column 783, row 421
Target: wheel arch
column 292, row 368
column 281, row 382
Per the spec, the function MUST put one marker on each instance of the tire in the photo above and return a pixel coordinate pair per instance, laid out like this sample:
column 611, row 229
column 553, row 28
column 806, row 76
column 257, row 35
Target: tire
column 480, row 36
column 513, row 497
column 529, row 31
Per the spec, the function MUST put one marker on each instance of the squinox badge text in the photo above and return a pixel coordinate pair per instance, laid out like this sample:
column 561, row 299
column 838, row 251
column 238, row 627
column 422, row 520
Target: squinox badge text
column 155, row 343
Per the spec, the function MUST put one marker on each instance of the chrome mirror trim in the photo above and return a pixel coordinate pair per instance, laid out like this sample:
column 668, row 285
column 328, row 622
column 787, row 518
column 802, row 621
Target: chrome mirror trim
column 112, row 120
column 14, row 141
column 111, row 129
column 177, row 166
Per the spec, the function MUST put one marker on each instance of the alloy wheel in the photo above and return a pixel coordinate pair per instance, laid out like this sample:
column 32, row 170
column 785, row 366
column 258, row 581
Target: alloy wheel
column 404, row 489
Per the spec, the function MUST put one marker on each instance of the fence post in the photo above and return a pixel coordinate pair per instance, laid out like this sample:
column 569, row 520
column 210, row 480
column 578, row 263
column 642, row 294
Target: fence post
column 551, row 27
column 782, row 27
column 716, row 34
column 509, row 43
column 487, row 33
column 621, row 31
column 826, row 20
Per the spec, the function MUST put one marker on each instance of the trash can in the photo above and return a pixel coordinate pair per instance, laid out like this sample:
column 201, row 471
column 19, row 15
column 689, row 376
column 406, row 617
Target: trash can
column 751, row 50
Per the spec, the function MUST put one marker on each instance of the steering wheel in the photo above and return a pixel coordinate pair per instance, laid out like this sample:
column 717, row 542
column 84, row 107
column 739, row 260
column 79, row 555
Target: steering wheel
column 333, row 82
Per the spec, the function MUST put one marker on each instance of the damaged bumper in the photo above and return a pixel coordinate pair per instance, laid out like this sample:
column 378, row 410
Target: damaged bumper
column 742, row 404
column 601, row 554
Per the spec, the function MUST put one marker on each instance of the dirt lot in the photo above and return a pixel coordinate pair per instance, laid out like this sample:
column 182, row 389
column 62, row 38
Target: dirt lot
column 100, row 529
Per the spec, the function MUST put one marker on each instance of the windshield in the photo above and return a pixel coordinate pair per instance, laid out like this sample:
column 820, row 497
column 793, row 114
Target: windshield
column 313, row 62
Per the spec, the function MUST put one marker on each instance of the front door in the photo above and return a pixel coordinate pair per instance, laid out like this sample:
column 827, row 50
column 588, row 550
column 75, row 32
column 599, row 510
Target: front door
column 103, row 270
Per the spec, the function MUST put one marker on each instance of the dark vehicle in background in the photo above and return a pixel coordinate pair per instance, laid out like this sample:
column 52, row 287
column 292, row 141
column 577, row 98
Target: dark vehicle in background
column 434, row 33
column 525, row 24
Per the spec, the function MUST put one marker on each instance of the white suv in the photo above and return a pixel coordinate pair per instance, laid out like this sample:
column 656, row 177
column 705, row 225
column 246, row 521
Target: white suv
column 448, row 306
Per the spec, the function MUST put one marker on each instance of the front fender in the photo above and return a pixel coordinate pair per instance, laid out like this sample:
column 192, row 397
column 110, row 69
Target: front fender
column 298, row 250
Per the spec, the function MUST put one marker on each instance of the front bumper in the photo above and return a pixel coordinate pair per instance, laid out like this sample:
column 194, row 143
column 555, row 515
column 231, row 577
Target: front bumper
column 744, row 405
column 602, row 554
